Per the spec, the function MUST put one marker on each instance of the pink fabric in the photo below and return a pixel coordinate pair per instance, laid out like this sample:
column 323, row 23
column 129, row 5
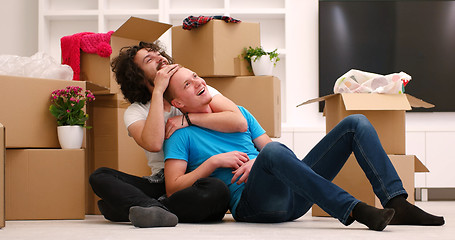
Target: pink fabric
column 88, row 42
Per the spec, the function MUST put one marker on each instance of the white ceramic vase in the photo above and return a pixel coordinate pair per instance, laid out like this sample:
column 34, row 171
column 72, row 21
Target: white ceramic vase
column 70, row 137
column 262, row 66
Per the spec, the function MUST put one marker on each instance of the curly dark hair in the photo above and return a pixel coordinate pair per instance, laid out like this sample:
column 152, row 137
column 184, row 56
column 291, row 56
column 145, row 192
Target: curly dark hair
column 128, row 74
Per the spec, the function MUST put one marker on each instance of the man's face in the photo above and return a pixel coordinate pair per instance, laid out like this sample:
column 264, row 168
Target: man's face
column 190, row 91
column 150, row 62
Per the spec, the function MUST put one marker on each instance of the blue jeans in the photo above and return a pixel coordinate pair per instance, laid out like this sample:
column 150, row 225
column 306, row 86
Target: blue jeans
column 282, row 187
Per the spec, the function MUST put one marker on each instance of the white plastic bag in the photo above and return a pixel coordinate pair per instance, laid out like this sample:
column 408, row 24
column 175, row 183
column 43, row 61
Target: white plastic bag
column 40, row 65
column 356, row 81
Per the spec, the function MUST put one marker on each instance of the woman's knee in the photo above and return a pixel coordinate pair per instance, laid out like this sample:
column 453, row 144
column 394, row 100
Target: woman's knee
column 357, row 120
column 273, row 147
column 273, row 151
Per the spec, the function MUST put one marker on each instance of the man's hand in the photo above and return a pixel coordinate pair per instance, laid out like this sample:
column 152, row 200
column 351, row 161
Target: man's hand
column 243, row 172
column 173, row 124
column 232, row 160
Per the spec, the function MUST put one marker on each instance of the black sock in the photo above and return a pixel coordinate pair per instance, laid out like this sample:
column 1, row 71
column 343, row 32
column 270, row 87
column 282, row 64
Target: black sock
column 374, row 218
column 154, row 216
column 408, row 214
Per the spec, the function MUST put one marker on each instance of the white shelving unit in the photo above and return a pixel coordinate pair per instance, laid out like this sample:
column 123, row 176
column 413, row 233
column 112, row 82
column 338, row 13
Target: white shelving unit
column 58, row 18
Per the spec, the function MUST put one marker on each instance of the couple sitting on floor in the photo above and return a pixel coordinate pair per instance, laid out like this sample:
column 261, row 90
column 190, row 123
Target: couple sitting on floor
column 217, row 157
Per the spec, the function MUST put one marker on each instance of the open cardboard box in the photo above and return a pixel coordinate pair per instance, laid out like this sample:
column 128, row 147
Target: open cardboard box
column 386, row 113
column 214, row 49
column 45, row 184
column 266, row 103
column 352, row 179
column 96, row 70
column 24, row 110
column 2, row 176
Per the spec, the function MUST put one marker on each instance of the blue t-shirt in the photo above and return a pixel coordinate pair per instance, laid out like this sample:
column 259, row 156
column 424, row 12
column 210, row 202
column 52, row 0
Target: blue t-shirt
column 195, row 145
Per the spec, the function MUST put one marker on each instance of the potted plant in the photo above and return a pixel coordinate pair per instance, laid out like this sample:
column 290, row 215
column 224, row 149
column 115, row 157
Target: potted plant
column 261, row 65
column 67, row 107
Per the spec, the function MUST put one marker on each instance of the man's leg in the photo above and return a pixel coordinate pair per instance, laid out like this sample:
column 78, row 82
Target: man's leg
column 207, row 200
column 121, row 193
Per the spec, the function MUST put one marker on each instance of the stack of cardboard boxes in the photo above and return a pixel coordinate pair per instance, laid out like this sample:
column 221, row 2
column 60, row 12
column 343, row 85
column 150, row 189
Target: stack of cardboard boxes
column 214, row 51
column 41, row 180
column 108, row 143
column 386, row 112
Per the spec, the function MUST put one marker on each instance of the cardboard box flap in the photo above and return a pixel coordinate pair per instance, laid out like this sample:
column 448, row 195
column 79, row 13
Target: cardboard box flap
column 319, row 99
column 368, row 101
column 418, row 166
column 141, row 29
column 97, row 89
column 416, row 102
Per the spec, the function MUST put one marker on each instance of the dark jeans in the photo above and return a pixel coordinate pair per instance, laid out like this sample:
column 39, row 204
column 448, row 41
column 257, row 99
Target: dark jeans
column 206, row 200
column 282, row 187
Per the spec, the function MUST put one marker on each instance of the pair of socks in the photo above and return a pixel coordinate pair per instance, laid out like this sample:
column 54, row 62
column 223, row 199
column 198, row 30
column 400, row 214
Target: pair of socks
column 398, row 211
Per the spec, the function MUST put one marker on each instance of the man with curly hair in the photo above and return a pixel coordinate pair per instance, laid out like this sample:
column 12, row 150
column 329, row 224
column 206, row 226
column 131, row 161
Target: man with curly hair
column 143, row 73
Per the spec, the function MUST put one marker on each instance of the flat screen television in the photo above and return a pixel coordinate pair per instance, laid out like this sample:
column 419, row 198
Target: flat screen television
column 416, row 37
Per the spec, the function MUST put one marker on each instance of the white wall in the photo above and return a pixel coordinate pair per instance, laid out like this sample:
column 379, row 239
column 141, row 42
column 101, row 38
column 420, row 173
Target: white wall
column 302, row 64
column 19, row 27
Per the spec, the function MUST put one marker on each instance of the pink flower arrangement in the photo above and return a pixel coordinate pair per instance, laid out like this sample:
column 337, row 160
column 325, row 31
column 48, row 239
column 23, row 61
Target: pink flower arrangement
column 67, row 104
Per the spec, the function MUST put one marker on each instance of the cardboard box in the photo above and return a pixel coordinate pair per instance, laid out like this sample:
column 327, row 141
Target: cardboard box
column 24, row 110
column 385, row 111
column 352, row 179
column 97, row 70
column 109, row 145
column 45, row 184
column 2, row 176
column 261, row 95
column 211, row 50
